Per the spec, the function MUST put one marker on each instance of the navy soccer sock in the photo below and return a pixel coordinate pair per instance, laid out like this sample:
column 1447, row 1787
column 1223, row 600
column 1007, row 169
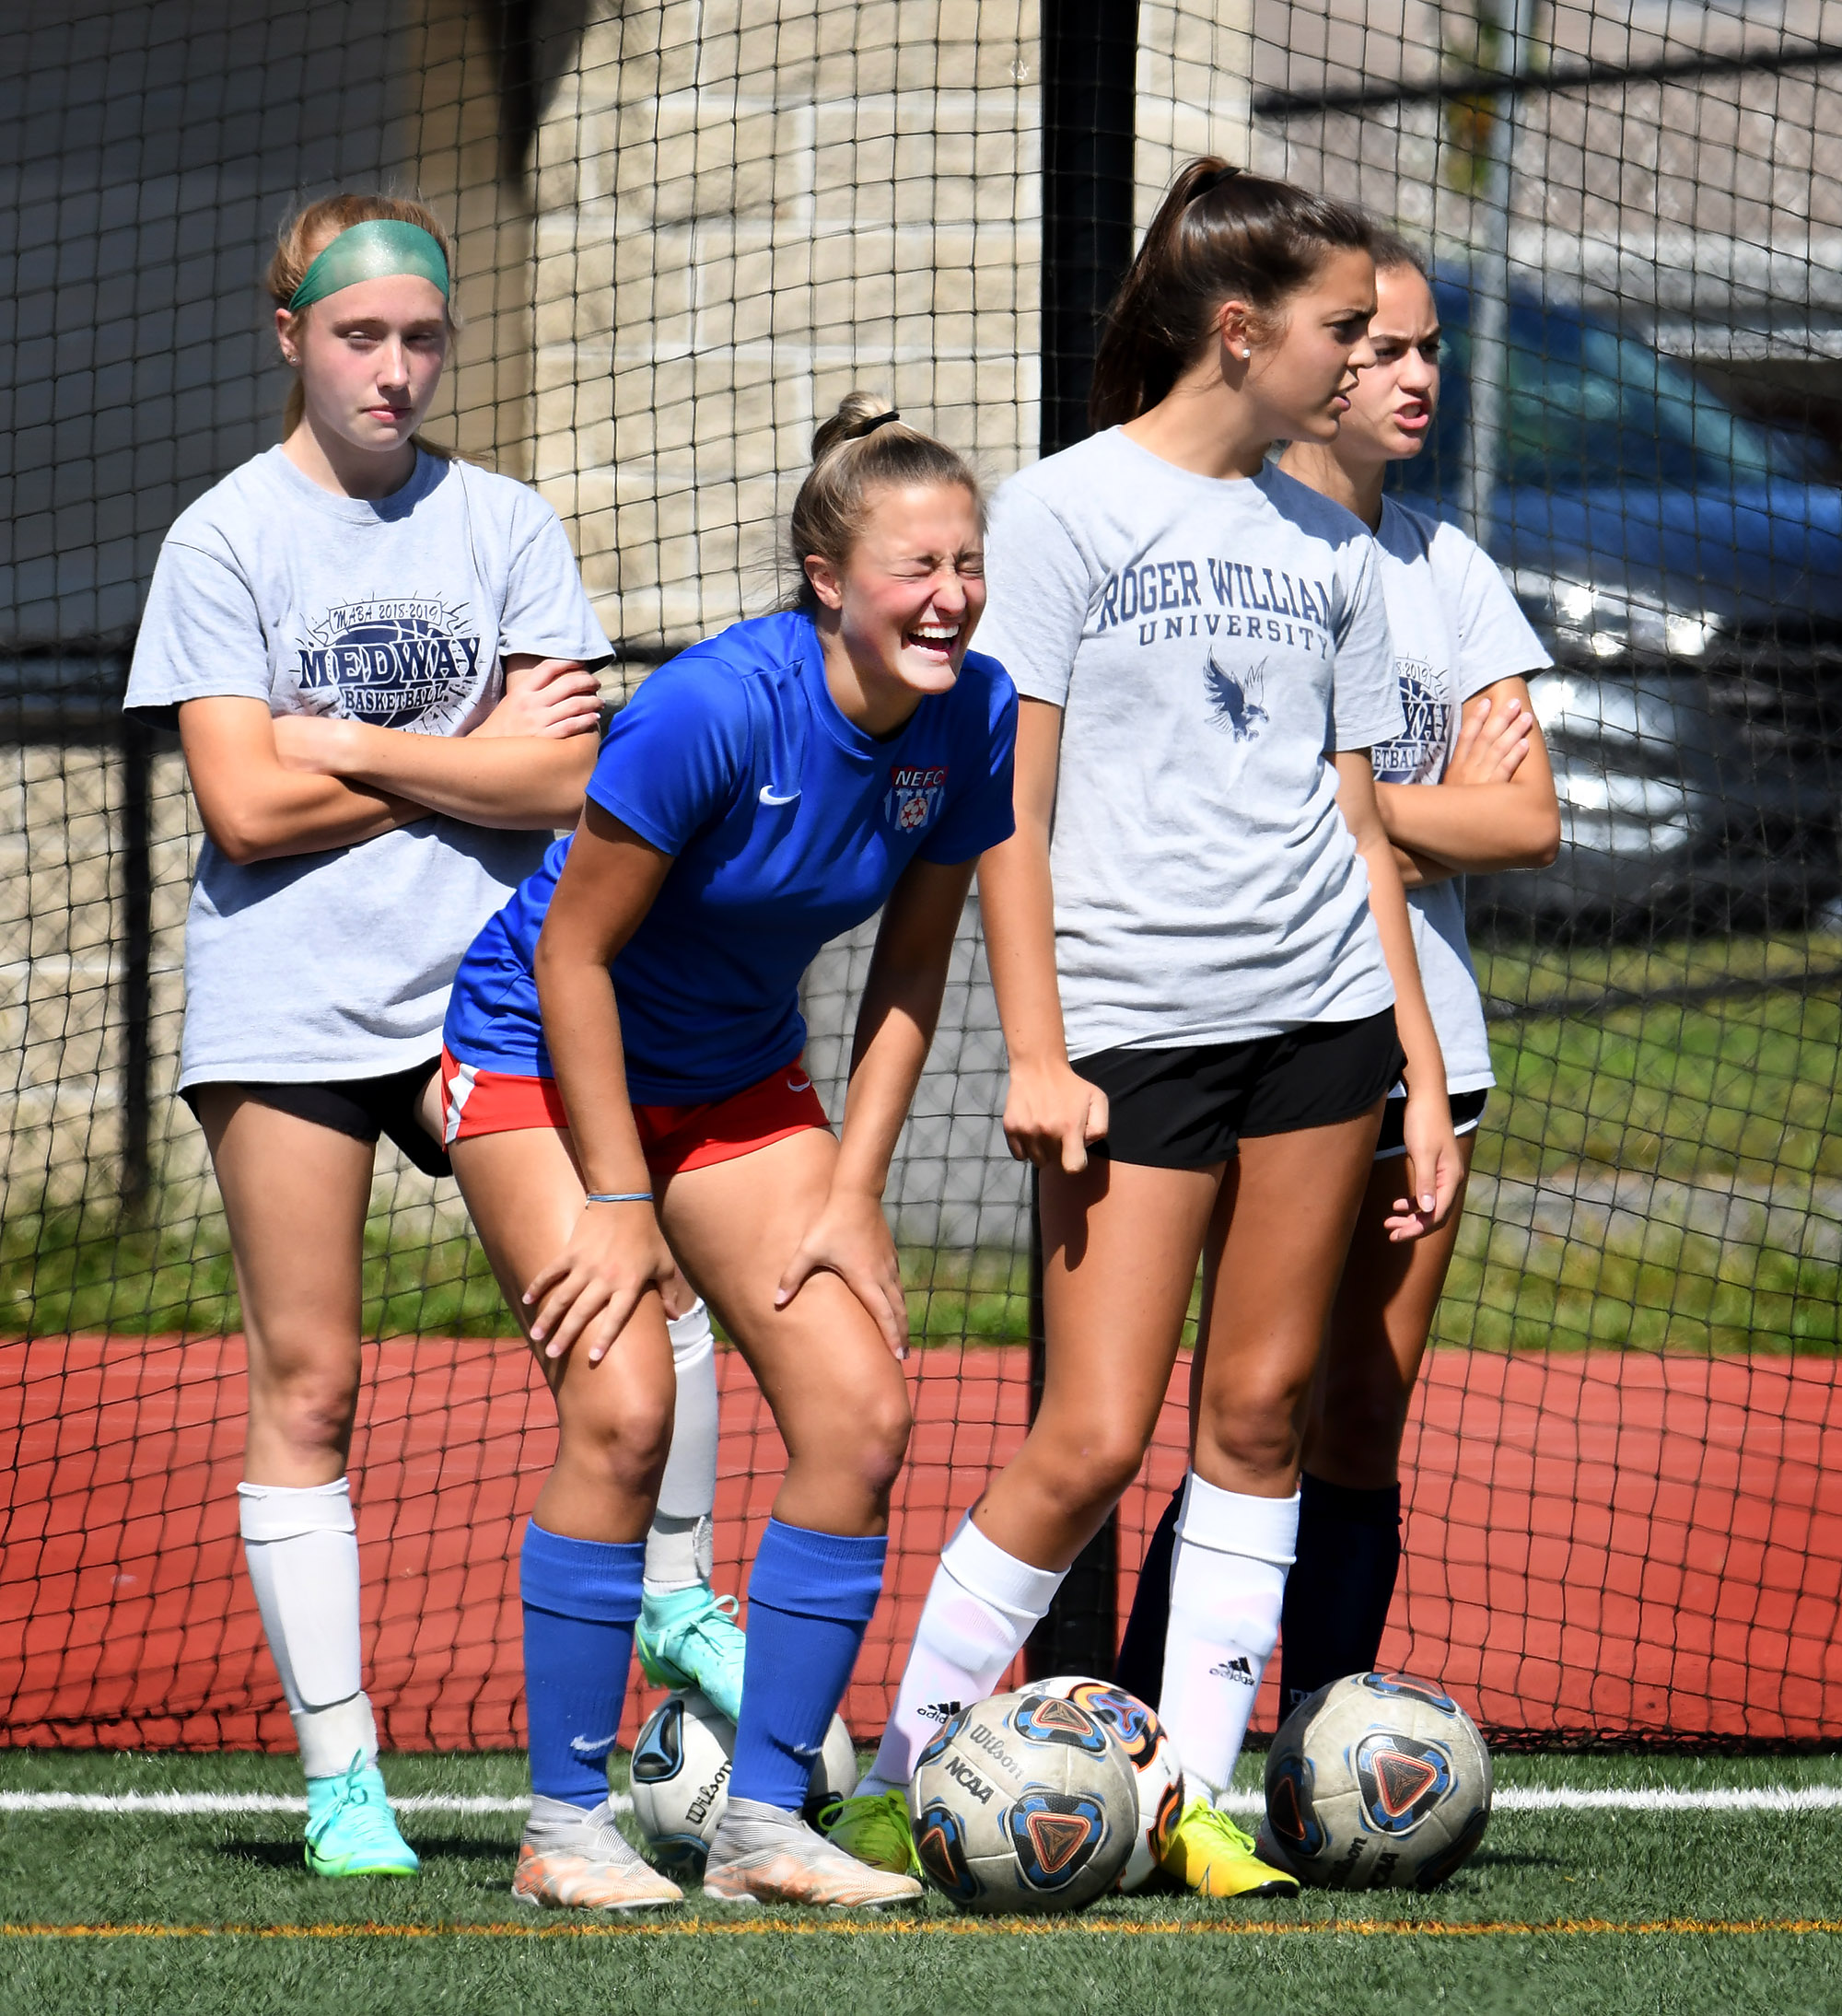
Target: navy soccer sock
column 581, row 1598
column 1141, row 1666
column 810, row 1599
column 1341, row 1585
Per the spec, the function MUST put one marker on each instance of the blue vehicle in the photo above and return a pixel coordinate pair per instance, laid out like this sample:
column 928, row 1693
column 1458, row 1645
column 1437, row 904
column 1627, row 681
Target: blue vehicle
column 1684, row 566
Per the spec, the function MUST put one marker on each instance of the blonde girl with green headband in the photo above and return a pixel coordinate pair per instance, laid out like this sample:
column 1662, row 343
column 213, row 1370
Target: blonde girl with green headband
column 377, row 658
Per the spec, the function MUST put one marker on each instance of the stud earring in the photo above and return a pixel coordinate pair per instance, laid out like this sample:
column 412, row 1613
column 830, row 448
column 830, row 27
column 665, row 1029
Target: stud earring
column 1246, row 357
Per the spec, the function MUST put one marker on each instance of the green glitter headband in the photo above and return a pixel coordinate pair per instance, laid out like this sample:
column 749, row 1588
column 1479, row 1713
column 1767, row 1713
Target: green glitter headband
column 374, row 251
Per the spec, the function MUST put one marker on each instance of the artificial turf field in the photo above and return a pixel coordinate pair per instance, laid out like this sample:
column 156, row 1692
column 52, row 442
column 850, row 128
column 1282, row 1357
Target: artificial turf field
column 1662, row 1908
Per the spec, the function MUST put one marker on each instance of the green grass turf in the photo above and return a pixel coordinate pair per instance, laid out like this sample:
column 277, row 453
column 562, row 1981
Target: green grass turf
column 1534, row 1869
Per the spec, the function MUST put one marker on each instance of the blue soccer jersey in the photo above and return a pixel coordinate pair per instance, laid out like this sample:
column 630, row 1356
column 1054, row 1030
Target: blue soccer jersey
column 787, row 826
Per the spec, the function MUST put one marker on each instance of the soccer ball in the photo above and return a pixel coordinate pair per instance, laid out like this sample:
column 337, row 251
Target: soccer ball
column 1024, row 1802
column 1376, row 1782
column 680, row 1780
column 1154, row 1760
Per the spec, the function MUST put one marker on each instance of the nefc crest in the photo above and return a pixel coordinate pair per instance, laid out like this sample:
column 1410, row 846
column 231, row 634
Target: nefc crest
column 913, row 800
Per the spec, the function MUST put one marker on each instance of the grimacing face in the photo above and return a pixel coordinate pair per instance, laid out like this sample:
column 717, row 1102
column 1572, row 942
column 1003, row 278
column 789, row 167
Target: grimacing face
column 912, row 589
column 369, row 358
column 1396, row 398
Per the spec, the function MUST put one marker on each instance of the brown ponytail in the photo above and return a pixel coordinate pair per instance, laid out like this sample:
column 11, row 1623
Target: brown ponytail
column 865, row 447
column 1218, row 236
column 309, row 232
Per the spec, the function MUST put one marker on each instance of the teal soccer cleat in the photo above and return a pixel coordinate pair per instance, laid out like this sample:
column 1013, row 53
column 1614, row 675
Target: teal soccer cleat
column 690, row 1638
column 351, row 1830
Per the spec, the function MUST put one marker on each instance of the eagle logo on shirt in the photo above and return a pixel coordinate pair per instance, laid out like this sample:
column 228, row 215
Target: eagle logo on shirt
column 1234, row 704
column 913, row 796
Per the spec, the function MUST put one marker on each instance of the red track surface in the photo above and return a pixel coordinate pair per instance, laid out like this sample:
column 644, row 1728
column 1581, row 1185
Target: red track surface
column 1606, row 1542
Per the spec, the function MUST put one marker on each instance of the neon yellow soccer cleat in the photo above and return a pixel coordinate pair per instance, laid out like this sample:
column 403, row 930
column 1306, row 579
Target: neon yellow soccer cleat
column 351, row 1830
column 1210, row 1855
column 875, row 1829
column 689, row 1639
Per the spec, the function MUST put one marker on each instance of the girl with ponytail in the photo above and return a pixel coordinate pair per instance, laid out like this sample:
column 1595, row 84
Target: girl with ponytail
column 1203, row 964
column 626, row 1099
column 1467, row 787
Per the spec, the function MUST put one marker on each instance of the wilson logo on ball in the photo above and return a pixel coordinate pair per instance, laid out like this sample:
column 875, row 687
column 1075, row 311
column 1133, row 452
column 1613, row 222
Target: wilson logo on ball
column 1401, row 1780
column 1054, row 1835
column 1040, row 1718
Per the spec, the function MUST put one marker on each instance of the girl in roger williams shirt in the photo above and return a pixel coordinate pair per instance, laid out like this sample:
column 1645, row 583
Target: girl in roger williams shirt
column 1466, row 788
column 1203, row 958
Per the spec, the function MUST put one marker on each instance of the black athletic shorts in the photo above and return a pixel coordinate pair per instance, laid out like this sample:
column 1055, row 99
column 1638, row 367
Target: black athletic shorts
column 1189, row 1107
column 363, row 1108
column 1467, row 1109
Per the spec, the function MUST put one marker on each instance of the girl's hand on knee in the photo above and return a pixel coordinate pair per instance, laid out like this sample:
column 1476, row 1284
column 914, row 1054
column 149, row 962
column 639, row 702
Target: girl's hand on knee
column 587, row 1294
column 1050, row 1113
column 1435, row 1169
column 850, row 1238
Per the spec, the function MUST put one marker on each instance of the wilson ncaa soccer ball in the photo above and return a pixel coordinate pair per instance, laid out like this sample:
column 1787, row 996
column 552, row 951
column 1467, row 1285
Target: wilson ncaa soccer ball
column 680, row 1780
column 1376, row 1782
column 1155, row 1765
column 1024, row 1802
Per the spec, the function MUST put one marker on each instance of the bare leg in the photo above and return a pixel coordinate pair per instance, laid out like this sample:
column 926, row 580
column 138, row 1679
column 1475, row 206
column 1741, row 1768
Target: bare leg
column 295, row 1195
column 1276, row 1251
column 614, row 1419
column 1120, row 1248
column 838, row 1397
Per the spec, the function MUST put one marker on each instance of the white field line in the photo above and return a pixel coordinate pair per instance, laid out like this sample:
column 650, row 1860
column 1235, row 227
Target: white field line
column 1512, row 1798
column 1525, row 1798
column 245, row 1802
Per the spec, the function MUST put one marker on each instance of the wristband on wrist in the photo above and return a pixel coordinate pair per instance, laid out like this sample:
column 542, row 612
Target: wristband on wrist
column 619, row 1196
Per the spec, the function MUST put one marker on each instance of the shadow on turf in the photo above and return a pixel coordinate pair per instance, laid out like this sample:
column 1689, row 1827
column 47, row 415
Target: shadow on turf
column 288, row 1855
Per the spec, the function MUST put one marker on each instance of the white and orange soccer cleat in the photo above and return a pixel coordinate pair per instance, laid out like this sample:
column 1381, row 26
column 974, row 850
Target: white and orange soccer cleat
column 775, row 1858
column 586, row 1864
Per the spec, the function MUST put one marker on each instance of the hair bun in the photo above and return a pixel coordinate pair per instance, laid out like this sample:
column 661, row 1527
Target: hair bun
column 858, row 414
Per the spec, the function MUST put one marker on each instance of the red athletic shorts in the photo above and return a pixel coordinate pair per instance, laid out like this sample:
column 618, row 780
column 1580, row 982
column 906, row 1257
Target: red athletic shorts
column 475, row 1102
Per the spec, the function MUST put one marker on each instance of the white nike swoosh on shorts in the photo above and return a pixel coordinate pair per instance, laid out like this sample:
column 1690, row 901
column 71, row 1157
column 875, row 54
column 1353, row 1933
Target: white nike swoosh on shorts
column 769, row 798
column 804, row 1084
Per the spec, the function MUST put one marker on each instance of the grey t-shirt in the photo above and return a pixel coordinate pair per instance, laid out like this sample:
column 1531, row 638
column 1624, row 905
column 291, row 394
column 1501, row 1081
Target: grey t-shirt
column 1207, row 642
column 396, row 612
column 1456, row 629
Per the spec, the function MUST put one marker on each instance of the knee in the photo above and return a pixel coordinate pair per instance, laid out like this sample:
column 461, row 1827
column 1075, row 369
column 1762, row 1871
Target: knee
column 1083, row 1466
column 623, row 1447
column 1257, row 1431
column 882, row 1427
column 310, row 1408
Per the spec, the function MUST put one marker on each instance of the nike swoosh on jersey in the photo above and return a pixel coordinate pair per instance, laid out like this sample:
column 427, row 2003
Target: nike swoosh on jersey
column 770, row 797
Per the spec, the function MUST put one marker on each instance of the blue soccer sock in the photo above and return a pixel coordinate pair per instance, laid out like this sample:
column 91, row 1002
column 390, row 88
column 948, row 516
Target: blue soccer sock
column 810, row 1599
column 581, row 1598
column 1341, row 1585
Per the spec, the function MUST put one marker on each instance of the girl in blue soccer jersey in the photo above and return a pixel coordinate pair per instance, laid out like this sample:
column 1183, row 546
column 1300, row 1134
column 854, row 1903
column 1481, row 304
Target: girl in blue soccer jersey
column 1467, row 788
column 1203, row 959
column 626, row 1099
column 376, row 658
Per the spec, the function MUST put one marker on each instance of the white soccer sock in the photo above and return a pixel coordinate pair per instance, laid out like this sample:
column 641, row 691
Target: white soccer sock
column 302, row 1548
column 679, row 1542
column 983, row 1604
column 1228, row 1583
